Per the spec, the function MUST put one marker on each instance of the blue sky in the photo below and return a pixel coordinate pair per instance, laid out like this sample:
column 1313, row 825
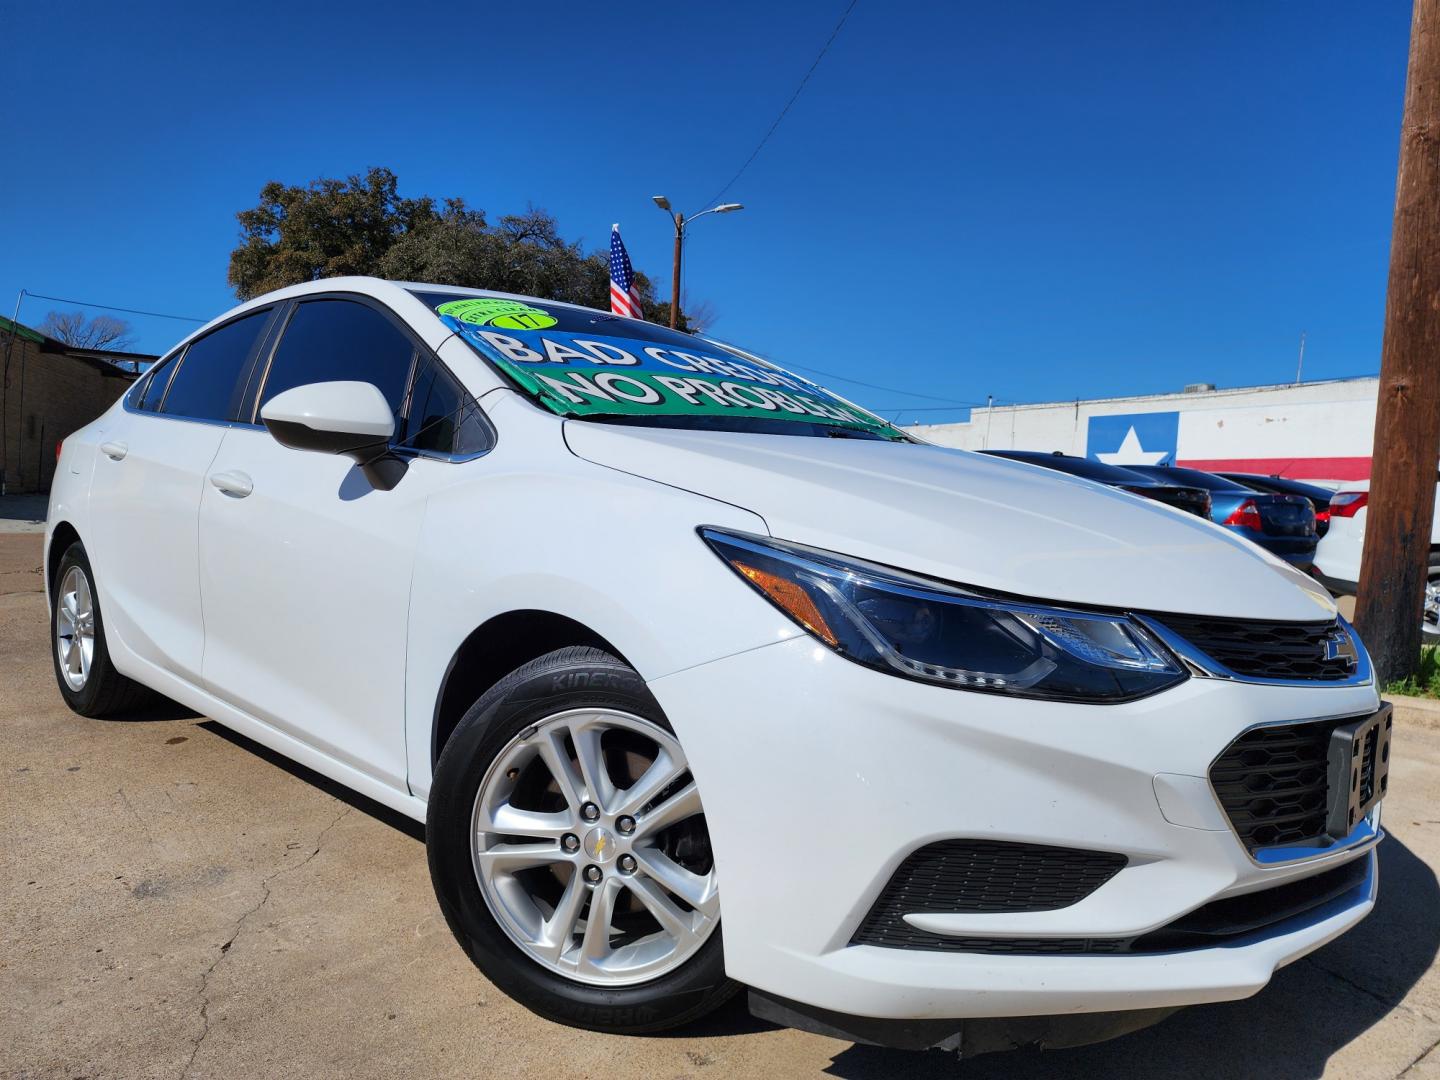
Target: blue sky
column 1036, row 201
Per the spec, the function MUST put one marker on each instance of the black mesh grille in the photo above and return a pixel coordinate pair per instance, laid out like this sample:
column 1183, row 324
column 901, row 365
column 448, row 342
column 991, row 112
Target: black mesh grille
column 979, row 876
column 1217, row 923
column 1274, row 785
column 1265, row 650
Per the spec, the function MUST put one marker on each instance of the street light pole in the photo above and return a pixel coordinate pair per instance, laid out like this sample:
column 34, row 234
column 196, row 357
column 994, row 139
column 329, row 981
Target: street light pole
column 675, row 278
column 680, row 222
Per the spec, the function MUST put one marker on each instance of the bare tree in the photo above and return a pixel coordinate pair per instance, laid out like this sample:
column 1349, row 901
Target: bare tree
column 101, row 332
column 699, row 317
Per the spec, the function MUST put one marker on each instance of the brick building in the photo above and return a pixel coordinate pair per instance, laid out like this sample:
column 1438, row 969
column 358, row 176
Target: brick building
column 47, row 390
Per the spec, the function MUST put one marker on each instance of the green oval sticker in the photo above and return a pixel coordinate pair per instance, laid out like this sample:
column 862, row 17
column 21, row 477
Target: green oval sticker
column 492, row 311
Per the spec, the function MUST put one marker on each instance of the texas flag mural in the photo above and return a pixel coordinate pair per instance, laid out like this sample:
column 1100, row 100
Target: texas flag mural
column 1134, row 438
column 1327, row 441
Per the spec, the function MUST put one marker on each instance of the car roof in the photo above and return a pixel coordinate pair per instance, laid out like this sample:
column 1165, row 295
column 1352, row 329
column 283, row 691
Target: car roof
column 394, row 292
column 1074, row 465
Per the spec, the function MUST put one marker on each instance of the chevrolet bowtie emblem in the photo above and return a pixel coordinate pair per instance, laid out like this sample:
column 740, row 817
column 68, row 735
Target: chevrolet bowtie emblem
column 1339, row 646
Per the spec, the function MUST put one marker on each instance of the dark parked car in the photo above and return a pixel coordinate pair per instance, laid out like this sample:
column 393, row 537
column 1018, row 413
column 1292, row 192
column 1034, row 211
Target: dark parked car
column 1194, row 499
column 1284, row 525
column 1281, row 485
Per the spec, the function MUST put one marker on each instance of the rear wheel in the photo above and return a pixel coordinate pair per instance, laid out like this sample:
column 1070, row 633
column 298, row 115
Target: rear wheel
column 87, row 678
column 569, row 852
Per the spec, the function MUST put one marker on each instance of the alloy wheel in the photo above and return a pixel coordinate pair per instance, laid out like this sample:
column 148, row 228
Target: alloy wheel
column 590, row 848
column 75, row 628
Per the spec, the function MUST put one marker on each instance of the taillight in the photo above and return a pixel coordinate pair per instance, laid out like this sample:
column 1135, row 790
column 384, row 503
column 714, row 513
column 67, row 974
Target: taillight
column 1322, row 517
column 1247, row 514
column 59, row 447
column 1348, row 503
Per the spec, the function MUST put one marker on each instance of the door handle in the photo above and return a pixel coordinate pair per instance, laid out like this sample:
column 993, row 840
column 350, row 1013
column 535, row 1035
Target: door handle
column 114, row 450
column 234, row 483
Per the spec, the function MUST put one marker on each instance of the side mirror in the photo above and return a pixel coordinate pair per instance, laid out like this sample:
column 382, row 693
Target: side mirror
column 349, row 418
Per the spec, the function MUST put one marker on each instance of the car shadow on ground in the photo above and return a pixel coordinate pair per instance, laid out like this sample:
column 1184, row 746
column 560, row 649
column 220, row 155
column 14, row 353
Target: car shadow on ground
column 1288, row 1031
column 381, row 813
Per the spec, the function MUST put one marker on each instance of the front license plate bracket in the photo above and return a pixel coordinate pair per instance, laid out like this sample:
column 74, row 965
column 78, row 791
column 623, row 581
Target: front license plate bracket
column 1359, row 770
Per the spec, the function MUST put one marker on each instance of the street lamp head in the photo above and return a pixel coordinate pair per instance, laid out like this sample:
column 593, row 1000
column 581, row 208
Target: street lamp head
column 661, row 201
column 725, row 208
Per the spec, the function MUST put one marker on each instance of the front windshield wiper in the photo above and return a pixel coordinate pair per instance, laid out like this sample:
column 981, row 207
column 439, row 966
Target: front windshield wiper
column 868, row 436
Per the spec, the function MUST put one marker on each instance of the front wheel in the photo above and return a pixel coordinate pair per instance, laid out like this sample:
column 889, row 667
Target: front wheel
column 569, row 853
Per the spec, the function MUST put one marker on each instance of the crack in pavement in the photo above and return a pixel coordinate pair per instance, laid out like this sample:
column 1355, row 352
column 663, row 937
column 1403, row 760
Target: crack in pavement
column 1371, row 994
column 138, row 819
column 204, row 990
column 1419, row 1058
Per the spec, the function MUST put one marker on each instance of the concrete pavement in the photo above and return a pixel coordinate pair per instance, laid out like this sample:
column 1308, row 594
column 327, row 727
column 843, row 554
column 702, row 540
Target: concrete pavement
column 176, row 901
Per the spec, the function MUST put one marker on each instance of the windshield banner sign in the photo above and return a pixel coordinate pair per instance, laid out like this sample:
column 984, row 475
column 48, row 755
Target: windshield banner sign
column 578, row 374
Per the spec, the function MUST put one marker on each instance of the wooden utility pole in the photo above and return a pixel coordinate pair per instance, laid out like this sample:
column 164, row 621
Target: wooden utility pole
column 1407, row 417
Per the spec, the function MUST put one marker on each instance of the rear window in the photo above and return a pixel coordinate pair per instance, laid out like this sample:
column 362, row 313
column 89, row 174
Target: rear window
column 152, row 390
column 208, row 384
column 1189, row 477
column 589, row 365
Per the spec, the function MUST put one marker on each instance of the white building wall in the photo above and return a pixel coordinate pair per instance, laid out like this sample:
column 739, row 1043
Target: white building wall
column 1319, row 430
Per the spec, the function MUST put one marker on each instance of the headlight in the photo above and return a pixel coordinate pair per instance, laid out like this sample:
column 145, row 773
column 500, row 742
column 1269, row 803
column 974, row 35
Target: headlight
column 928, row 630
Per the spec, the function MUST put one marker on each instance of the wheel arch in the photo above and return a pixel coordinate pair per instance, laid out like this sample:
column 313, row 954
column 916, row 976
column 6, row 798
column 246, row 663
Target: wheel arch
column 62, row 535
column 493, row 650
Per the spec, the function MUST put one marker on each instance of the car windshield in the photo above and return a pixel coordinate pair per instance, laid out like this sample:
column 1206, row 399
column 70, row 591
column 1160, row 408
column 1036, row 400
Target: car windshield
column 1075, row 466
column 589, row 365
column 1188, row 477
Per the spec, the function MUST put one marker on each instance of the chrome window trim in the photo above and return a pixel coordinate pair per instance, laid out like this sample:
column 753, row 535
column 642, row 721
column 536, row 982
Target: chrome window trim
column 435, row 455
column 1202, row 666
column 403, row 451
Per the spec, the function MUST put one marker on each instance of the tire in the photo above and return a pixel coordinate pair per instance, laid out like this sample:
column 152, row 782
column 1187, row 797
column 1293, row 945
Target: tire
column 531, row 706
column 1430, row 631
column 97, row 689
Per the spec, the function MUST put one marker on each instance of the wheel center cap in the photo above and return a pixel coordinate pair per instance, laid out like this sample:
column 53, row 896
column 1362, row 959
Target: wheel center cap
column 599, row 844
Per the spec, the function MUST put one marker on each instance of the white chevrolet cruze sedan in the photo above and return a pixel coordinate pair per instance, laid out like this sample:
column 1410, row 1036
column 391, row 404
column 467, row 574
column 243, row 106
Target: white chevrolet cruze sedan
column 666, row 645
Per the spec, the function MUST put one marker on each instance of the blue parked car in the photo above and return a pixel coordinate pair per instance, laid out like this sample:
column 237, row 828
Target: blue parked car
column 1284, row 525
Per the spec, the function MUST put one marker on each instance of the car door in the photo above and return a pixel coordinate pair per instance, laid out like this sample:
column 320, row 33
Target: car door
column 305, row 567
column 145, row 494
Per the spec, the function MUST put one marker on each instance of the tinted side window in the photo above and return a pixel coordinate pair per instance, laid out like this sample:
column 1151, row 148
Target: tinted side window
column 208, row 383
column 156, row 380
column 339, row 340
column 442, row 417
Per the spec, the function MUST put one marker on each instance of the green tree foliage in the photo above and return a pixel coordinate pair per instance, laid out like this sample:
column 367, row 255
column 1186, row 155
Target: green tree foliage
column 326, row 229
column 360, row 225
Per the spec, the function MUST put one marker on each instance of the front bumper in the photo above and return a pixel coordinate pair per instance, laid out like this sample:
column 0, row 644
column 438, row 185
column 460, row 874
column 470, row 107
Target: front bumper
column 820, row 776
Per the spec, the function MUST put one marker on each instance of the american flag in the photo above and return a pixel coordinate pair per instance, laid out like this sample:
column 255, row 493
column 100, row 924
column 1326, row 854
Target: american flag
column 624, row 297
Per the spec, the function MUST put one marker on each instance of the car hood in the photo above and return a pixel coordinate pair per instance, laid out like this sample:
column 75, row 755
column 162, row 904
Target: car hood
column 969, row 519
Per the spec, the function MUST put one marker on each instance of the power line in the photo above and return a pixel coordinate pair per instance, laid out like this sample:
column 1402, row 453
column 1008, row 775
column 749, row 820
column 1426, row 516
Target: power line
column 761, row 144
column 955, row 402
column 112, row 307
column 943, row 408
